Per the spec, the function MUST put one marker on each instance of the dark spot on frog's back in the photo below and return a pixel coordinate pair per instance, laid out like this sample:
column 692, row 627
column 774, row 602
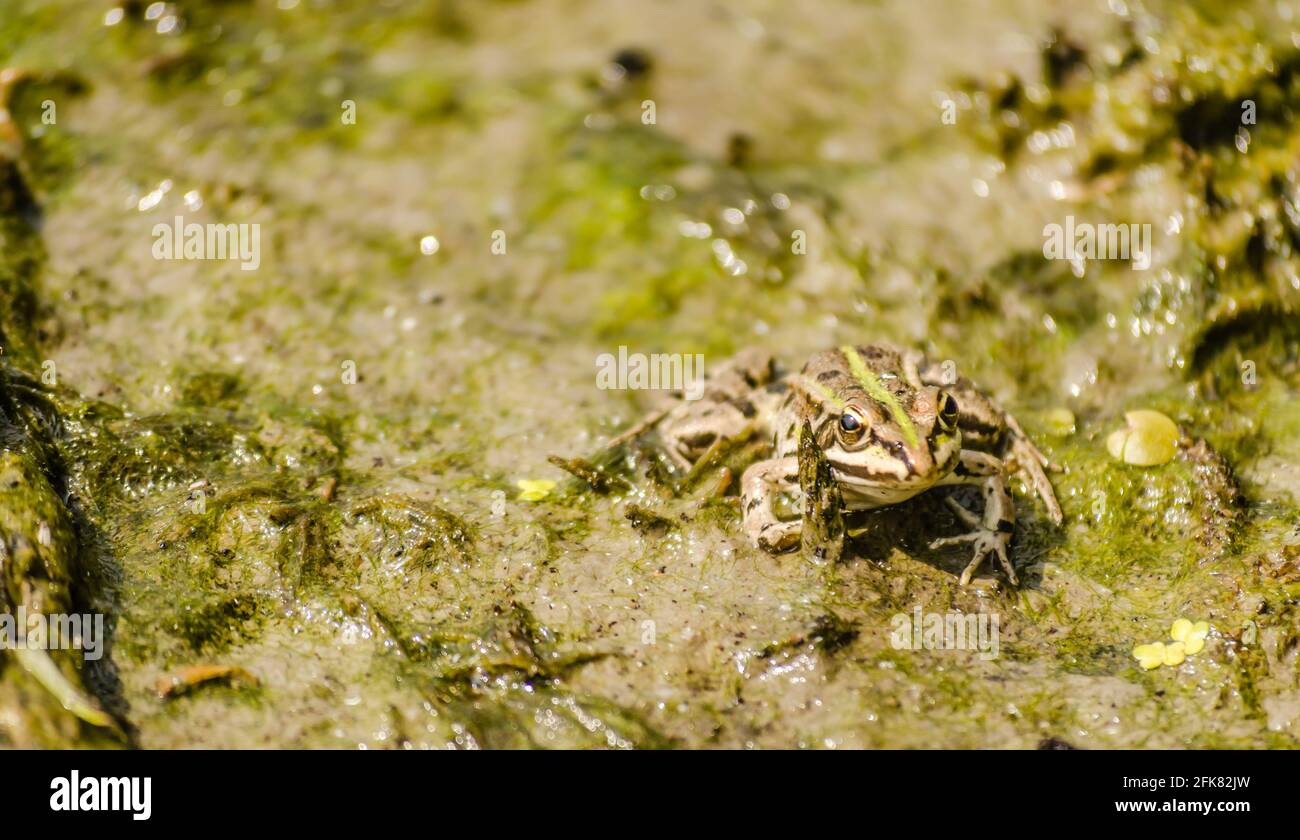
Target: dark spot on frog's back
column 745, row 407
column 778, row 387
column 828, row 376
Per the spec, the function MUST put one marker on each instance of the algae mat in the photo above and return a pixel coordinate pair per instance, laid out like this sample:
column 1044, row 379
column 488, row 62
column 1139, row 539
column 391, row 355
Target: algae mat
column 293, row 488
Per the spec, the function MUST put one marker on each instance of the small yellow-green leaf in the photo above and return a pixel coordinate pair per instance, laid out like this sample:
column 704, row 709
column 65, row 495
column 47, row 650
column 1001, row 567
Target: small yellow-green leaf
column 1191, row 635
column 1149, row 439
column 1195, row 640
column 534, row 490
column 1150, row 656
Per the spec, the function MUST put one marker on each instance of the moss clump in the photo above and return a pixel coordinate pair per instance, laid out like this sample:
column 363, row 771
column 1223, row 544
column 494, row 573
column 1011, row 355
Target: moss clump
column 822, row 537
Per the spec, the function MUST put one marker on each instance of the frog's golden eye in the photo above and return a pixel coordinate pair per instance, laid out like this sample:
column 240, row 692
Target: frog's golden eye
column 850, row 427
column 948, row 412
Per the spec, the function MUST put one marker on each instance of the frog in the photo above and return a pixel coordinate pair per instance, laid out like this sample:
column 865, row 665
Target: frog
column 891, row 423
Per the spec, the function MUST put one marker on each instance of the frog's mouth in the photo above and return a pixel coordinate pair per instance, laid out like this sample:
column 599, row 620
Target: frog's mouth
column 896, row 469
column 863, row 478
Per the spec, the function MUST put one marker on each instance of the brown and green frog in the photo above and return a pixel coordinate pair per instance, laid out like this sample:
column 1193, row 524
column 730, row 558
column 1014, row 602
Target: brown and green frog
column 891, row 424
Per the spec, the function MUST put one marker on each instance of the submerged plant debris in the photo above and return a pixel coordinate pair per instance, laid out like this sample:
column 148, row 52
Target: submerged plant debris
column 294, row 492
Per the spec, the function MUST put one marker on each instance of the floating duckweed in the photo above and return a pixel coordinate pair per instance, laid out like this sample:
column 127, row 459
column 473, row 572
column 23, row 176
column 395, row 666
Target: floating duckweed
column 1189, row 639
column 1150, row 656
column 534, row 490
column 1149, row 439
column 1060, row 421
column 1190, row 635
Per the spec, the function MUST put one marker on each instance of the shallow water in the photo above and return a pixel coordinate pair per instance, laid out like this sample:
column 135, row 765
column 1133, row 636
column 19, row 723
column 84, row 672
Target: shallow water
column 360, row 547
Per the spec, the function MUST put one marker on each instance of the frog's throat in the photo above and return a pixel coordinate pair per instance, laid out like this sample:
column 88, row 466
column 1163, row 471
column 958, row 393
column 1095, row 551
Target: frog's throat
column 879, row 392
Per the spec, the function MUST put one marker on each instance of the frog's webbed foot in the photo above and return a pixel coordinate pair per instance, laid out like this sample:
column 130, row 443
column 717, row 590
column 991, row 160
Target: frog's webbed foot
column 990, row 535
column 758, row 489
column 986, row 543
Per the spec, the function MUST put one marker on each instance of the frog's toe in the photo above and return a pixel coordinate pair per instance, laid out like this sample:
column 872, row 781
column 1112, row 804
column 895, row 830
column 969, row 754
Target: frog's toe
column 1043, row 487
column 1004, row 560
column 1026, row 458
column 1027, row 446
column 986, row 543
column 778, row 537
column 971, row 520
column 971, row 568
column 943, row 542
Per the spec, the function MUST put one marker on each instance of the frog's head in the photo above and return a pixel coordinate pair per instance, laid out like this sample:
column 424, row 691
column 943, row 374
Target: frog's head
column 882, row 435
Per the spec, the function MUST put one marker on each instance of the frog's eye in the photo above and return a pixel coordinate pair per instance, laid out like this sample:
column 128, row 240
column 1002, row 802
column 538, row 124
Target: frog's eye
column 850, row 427
column 948, row 412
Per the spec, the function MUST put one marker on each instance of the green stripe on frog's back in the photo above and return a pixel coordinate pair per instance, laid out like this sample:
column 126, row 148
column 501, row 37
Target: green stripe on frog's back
column 814, row 387
column 873, row 386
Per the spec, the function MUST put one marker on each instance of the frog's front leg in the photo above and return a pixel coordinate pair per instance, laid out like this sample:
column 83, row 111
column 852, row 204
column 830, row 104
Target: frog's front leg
column 992, row 535
column 984, row 422
column 759, row 487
